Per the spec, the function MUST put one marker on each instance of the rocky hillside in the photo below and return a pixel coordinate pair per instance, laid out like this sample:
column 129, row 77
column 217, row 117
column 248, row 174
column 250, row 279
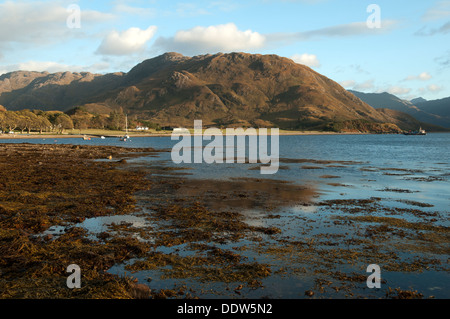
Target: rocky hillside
column 235, row 89
column 52, row 91
column 436, row 113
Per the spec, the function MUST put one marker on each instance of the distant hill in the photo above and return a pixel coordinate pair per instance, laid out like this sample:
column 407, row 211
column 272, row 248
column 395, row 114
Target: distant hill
column 408, row 122
column 425, row 112
column 235, row 89
column 386, row 100
column 52, row 91
column 418, row 100
column 440, row 107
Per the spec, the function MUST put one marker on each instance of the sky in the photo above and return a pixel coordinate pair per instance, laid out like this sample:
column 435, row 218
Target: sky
column 397, row 46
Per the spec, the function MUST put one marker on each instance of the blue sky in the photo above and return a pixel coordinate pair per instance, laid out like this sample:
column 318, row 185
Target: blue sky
column 408, row 55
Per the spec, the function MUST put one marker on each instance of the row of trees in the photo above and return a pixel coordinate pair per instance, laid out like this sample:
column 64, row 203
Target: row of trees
column 82, row 119
column 26, row 120
column 55, row 121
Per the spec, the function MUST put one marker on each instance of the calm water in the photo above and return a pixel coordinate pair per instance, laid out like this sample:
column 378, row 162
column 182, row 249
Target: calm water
column 380, row 149
column 381, row 161
column 392, row 167
column 419, row 164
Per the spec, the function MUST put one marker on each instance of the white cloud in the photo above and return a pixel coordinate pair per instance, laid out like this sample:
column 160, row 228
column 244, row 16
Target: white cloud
column 144, row 12
column 342, row 30
column 347, row 83
column 438, row 11
column 369, row 86
column 225, row 6
column 190, row 10
column 311, row 2
column 41, row 66
column 424, row 76
column 40, row 22
column 355, row 28
column 228, row 38
column 310, row 60
column 212, row 39
column 434, row 88
column 364, row 86
column 127, row 42
column 53, row 67
column 397, row 90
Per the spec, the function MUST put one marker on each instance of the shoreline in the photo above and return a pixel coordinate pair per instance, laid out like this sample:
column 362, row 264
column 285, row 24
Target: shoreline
column 56, row 136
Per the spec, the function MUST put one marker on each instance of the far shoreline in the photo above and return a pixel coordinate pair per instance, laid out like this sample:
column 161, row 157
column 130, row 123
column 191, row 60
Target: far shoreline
column 131, row 135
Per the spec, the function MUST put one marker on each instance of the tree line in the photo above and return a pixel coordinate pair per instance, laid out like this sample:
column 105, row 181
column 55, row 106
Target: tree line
column 56, row 121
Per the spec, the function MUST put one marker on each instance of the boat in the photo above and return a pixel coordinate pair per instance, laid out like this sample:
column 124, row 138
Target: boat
column 126, row 137
column 419, row 132
column 86, row 138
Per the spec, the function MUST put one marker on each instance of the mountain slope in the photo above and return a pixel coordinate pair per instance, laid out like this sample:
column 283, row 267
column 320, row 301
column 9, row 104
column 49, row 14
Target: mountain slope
column 433, row 115
column 408, row 122
column 52, row 91
column 439, row 107
column 386, row 100
column 235, row 89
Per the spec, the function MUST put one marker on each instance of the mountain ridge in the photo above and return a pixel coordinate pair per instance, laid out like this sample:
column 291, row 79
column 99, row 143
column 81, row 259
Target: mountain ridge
column 440, row 106
column 436, row 112
column 232, row 89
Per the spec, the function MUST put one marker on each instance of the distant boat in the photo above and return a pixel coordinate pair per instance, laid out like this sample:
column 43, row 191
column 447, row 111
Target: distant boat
column 125, row 137
column 419, row 132
column 102, row 137
column 86, row 138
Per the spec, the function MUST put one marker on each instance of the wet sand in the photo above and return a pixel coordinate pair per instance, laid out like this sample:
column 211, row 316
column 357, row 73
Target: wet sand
column 181, row 237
